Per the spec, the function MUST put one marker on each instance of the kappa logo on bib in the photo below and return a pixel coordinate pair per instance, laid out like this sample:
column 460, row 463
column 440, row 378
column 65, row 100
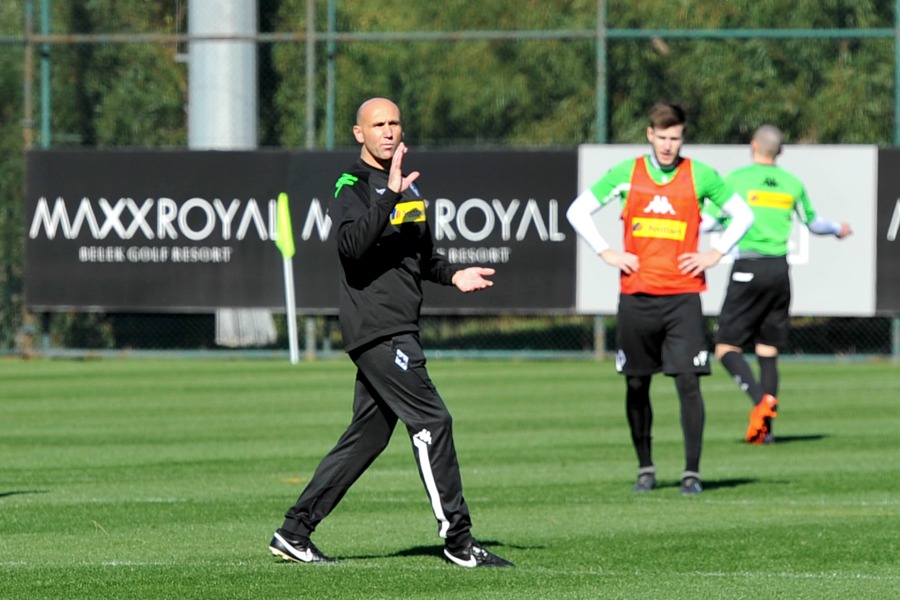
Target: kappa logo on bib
column 660, row 205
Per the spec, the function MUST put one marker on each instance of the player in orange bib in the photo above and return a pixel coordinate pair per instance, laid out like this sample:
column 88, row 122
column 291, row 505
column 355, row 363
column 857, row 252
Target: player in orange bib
column 660, row 320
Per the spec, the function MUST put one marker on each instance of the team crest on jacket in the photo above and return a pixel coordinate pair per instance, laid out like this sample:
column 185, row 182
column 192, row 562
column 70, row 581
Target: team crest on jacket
column 412, row 211
column 344, row 179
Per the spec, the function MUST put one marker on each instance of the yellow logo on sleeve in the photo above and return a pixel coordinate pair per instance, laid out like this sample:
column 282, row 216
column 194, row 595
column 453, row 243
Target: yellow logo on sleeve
column 768, row 199
column 412, row 211
column 665, row 229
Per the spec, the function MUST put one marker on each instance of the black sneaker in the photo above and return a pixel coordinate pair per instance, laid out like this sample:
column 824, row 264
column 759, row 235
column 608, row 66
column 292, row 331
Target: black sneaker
column 645, row 483
column 690, row 486
column 302, row 550
column 476, row 555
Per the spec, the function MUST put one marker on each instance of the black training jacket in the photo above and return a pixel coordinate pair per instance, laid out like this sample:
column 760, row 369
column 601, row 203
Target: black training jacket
column 386, row 250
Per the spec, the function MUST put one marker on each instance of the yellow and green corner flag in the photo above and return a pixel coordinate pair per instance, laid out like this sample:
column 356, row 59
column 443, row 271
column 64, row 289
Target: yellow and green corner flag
column 284, row 239
column 284, row 236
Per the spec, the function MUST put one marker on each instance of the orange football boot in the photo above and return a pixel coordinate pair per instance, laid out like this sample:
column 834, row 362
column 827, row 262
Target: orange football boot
column 757, row 430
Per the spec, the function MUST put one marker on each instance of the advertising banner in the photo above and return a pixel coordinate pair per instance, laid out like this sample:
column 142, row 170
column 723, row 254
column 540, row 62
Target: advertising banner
column 830, row 277
column 191, row 231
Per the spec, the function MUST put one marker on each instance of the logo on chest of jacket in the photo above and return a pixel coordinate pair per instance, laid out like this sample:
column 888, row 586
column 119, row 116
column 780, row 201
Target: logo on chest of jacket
column 411, row 211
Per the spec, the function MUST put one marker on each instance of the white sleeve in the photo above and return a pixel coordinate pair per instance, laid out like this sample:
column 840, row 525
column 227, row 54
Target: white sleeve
column 820, row 226
column 709, row 223
column 741, row 220
column 580, row 217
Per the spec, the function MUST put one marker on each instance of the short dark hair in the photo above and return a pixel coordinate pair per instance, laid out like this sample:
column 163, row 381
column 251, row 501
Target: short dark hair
column 667, row 114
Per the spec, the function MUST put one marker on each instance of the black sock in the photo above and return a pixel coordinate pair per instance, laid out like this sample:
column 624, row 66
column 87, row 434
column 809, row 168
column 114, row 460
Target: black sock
column 736, row 364
column 640, row 417
column 693, row 416
column 768, row 374
column 768, row 379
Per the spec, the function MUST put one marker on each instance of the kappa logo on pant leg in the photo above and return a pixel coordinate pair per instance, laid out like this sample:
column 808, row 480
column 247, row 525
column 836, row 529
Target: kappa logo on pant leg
column 423, row 436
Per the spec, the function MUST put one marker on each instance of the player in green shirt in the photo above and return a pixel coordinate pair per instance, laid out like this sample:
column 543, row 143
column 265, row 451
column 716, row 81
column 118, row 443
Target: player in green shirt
column 755, row 310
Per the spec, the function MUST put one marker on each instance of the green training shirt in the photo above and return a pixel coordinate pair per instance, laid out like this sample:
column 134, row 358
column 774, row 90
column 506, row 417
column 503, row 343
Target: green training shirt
column 617, row 182
column 773, row 195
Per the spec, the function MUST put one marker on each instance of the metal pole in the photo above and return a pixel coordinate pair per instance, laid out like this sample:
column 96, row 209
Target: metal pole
column 31, row 327
column 45, row 76
column 326, row 337
column 599, row 337
column 310, row 73
column 222, row 76
column 310, row 339
column 27, row 77
column 330, row 76
column 600, row 95
column 895, row 346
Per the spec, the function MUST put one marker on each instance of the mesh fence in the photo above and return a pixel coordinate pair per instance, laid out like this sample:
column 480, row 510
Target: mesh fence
column 121, row 94
column 556, row 336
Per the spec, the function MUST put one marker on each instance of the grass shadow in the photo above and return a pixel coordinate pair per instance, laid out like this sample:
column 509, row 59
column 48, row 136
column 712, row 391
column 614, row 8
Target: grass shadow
column 721, row 484
column 708, row 484
column 20, row 492
column 790, row 439
column 433, row 551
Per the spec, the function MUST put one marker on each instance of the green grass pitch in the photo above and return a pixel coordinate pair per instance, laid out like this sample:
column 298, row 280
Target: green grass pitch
column 166, row 478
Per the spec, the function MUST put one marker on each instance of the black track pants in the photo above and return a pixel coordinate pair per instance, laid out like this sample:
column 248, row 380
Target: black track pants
column 391, row 382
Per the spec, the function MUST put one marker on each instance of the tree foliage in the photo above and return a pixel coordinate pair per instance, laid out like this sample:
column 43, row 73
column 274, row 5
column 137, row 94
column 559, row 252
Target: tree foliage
column 818, row 90
column 540, row 92
column 118, row 94
column 11, row 174
column 523, row 93
column 527, row 92
column 465, row 92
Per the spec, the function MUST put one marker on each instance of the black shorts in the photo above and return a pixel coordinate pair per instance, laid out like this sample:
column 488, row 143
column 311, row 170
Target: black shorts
column 661, row 333
column 756, row 304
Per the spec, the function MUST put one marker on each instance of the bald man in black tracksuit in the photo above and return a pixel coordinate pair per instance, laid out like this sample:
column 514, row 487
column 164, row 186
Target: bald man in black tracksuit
column 386, row 250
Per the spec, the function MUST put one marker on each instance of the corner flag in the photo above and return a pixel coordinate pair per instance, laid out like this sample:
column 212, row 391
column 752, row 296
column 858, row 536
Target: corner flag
column 284, row 236
column 285, row 241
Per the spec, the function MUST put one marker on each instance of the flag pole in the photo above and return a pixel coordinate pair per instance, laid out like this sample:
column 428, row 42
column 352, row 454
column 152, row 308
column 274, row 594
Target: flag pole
column 285, row 241
column 291, row 309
